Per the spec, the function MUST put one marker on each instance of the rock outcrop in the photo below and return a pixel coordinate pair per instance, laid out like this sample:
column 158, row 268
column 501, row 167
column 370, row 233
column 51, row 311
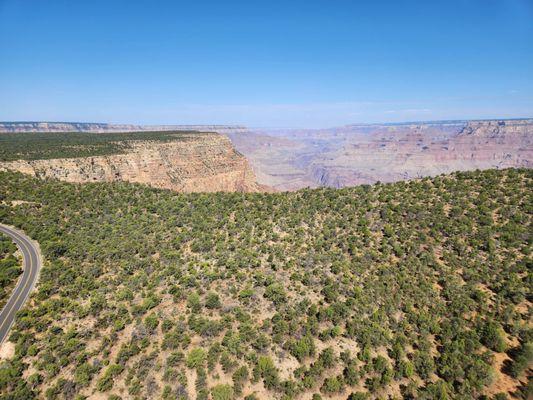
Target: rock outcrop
column 202, row 163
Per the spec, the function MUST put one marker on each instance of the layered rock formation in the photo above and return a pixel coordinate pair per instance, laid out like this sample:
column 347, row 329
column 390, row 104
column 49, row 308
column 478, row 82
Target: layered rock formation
column 357, row 154
column 102, row 127
column 293, row 159
column 202, row 163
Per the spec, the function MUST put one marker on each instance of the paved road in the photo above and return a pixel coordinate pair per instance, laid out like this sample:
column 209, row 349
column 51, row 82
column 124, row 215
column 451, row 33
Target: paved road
column 32, row 265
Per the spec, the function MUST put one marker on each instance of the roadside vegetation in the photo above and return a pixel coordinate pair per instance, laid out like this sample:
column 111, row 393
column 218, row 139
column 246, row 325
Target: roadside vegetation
column 414, row 290
column 10, row 268
column 50, row 145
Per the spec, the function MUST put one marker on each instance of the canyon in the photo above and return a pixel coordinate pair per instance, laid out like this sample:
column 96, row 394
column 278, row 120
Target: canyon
column 289, row 159
column 235, row 158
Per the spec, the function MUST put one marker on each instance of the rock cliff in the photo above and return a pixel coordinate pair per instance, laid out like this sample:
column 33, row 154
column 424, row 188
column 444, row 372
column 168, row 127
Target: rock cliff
column 202, row 163
column 358, row 154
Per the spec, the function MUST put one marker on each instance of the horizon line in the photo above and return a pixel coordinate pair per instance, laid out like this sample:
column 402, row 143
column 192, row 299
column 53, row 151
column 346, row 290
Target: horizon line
column 236, row 125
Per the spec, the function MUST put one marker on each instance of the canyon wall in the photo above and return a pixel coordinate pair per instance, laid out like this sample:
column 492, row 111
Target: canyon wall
column 202, row 163
column 286, row 159
column 363, row 154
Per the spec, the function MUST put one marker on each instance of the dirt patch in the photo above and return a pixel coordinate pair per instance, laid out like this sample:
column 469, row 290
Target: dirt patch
column 15, row 203
column 502, row 382
column 7, row 350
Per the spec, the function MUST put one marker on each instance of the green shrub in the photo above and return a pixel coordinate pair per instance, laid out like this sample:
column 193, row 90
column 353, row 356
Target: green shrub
column 196, row 358
column 222, row 392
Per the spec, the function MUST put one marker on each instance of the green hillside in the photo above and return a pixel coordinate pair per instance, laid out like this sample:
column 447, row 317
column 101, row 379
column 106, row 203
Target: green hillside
column 415, row 290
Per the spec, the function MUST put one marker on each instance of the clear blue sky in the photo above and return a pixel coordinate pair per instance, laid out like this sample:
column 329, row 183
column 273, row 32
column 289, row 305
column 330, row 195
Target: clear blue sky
column 265, row 63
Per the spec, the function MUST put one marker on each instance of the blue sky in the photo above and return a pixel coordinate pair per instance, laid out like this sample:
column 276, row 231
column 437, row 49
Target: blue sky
column 265, row 63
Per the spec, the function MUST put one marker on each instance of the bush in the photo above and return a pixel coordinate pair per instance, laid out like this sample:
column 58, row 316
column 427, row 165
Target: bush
column 492, row 336
column 196, row 358
column 240, row 376
column 212, row 301
column 105, row 383
column 332, row 385
column 265, row 368
column 222, row 392
column 302, row 348
column 276, row 293
column 358, row 396
column 522, row 360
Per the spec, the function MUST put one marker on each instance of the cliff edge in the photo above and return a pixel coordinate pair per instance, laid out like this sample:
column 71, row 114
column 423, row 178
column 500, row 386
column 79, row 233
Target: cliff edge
column 195, row 163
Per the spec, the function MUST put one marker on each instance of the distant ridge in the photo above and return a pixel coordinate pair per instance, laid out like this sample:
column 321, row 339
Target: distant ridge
column 446, row 122
column 101, row 127
column 43, row 126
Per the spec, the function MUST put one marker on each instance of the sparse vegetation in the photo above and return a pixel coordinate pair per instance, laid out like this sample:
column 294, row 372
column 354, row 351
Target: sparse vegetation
column 408, row 290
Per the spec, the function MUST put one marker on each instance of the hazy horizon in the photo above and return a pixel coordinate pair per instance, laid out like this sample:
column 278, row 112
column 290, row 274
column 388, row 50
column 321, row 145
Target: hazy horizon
column 276, row 127
column 309, row 64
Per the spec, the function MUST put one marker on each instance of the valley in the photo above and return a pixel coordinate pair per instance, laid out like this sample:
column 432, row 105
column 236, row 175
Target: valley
column 363, row 154
column 200, row 158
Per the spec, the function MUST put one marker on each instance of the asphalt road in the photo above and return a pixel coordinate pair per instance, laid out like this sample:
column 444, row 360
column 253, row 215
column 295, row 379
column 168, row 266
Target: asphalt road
column 32, row 265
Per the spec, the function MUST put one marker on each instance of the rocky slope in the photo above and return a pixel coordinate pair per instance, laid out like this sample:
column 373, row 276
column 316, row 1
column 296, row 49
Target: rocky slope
column 202, row 163
column 358, row 154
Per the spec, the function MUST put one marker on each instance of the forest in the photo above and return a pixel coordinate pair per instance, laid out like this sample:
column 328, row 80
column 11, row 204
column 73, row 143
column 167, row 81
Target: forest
column 51, row 145
column 413, row 290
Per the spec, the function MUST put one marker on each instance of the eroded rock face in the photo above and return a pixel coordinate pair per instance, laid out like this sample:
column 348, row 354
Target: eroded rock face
column 206, row 163
column 418, row 152
column 361, row 154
